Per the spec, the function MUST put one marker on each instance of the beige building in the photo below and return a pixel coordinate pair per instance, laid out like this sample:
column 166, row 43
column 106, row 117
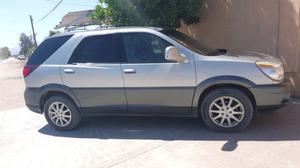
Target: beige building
column 267, row 26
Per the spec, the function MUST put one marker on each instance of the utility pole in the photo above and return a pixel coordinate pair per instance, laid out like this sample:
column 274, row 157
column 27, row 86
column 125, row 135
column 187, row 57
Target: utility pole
column 34, row 38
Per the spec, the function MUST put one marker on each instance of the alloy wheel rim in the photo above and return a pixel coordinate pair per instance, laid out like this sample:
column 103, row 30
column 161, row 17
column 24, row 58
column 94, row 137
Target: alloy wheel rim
column 226, row 111
column 60, row 114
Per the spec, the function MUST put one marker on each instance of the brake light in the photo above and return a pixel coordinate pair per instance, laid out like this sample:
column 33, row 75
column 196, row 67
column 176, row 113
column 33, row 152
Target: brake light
column 28, row 69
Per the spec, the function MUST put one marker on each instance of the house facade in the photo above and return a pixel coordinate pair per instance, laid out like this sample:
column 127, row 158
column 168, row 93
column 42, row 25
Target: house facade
column 267, row 26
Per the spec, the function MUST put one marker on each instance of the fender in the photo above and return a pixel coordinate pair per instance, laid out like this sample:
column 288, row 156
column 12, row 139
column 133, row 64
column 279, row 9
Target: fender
column 201, row 87
column 59, row 88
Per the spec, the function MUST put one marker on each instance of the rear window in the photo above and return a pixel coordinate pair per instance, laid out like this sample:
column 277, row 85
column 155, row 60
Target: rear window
column 46, row 49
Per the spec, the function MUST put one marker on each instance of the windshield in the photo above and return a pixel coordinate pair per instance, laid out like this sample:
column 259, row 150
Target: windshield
column 192, row 44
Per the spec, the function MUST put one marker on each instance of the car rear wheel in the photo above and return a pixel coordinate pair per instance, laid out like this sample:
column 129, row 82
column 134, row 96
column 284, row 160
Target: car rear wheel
column 227, row 110
column 61, row 113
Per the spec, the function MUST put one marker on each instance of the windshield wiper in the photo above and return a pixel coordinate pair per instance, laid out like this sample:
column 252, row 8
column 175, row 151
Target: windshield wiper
column 217, row 52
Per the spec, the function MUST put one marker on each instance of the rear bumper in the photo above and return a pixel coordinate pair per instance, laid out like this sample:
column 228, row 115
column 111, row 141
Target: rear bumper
column 32, row 99
column 271, row 97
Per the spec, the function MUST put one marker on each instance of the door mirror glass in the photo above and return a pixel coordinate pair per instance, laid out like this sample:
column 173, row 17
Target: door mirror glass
column 172, row 54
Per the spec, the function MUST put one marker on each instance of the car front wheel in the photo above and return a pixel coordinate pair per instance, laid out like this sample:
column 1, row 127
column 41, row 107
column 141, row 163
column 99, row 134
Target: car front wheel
column 227, row 110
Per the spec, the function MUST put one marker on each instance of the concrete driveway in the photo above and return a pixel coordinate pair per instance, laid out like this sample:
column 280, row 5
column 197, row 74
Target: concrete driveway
column 271, row 141
column 27, row 141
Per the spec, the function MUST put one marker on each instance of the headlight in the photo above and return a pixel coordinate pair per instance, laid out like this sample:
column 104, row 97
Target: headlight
column 275, row 71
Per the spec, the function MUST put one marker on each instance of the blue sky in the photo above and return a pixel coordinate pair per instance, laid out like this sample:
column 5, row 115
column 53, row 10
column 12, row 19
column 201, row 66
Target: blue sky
column 14, row 17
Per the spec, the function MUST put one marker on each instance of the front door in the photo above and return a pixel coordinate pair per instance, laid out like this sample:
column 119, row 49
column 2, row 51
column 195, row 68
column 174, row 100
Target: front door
column 94, row 75
column 153, row 84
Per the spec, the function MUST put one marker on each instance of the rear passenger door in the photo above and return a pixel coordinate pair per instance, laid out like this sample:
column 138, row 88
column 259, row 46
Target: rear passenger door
column 94, row 75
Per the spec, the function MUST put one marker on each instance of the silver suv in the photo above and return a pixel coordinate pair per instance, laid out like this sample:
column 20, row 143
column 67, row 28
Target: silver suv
column 149, row 72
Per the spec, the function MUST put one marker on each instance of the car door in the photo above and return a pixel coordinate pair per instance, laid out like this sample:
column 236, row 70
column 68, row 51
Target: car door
column 94, row 75
column 153, row 84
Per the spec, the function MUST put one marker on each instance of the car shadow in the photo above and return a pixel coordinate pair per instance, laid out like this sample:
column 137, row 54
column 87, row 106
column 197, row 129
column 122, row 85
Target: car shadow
column 282, row 125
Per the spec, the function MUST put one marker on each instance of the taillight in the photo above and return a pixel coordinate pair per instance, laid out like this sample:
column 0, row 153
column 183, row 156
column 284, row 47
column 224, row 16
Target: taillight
column 28, row 69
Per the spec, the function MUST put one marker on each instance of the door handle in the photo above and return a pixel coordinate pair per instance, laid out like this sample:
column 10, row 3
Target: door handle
column 129, row 71
column 69, row 70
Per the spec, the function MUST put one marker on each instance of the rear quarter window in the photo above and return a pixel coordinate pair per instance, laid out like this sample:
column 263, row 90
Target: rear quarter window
column 46, row 49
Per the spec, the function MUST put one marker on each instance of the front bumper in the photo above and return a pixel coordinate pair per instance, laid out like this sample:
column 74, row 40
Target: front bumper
column 271, row 97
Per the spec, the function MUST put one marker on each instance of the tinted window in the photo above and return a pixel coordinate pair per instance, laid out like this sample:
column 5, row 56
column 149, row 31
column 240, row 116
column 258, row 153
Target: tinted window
column 144, row 48
column 46, row 49
column 95, row 49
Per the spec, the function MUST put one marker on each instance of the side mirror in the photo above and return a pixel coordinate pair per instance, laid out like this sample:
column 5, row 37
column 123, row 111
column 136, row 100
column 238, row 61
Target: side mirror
column 172, row 54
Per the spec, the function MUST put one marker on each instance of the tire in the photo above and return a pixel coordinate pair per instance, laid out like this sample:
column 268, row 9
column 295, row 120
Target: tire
column 237, row 113
column 62, row 121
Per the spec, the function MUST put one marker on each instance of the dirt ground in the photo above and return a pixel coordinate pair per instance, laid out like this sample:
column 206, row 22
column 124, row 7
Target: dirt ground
column 11, row 84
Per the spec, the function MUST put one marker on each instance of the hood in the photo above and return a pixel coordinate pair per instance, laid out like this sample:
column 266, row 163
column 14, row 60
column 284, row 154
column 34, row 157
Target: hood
column 251, row 56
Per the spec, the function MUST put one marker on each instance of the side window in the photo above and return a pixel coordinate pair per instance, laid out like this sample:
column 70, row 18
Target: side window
column 95, row 49
column 144, row 48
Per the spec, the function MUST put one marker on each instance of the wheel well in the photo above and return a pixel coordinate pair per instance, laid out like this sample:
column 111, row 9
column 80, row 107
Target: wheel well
column 235, row 86
column 49, row 94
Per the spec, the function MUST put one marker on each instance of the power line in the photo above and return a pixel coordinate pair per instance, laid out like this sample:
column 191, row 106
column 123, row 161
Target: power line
column 68, row 3
column 51, row 11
